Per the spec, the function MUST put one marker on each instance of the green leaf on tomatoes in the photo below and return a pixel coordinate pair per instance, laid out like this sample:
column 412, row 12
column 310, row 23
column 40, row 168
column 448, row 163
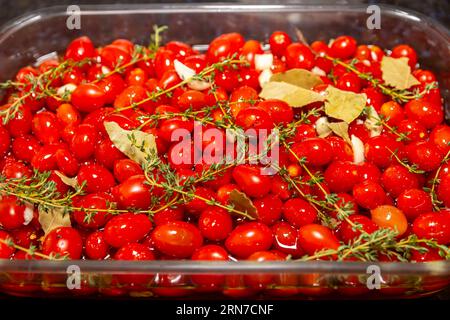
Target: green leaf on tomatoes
column 397, row 73
column 291, row 94
column 53, row 218
column 340, row 129
column 298, row 77
column 137, row 145
column 241, row 202
column 344, row 105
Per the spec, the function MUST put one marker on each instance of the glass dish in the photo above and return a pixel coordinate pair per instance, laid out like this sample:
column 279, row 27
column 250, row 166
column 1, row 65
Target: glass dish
column 24, row 40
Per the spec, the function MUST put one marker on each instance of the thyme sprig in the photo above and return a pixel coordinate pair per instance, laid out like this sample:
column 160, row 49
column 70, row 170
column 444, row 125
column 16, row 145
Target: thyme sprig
column 435, row 181
column 396, row 95
column 369, row 247
column 40, row 191
column 32, row 251
column 202, row 75
column 413, row 168
column 38, row 88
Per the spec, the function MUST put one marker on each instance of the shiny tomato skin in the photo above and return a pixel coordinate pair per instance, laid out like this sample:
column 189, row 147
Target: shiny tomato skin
column 96, row 247
column 315, row 237
column 92, row 219
column 390, row 217
column 268, row 209
column 286, row 239
column 126, row 228
column 316, row 151
column 224, row 46
column 369, row 194
column 125, row 168
column 343, row 47
column 88, row 98
column 79, row 49
column 178, row 239
column 248, row 238
column 97, row 177
column 433, row 225
column 279, row 41
column 414, row 202
column 299, row 56
column 84, row 141
column 46, row 127
column 215, row 224
column 63, row 241
column 299, row 212
column 347, row 232
column 251, row 181
column 134, row 193
column 12, row 213
column 209, row 252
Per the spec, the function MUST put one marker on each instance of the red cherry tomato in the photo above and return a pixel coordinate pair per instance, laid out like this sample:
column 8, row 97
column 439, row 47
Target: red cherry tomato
column 315, row 237
column 63, row 241
column 88, row 97
column 178, row 239
column 249, row 238
column 126, row 228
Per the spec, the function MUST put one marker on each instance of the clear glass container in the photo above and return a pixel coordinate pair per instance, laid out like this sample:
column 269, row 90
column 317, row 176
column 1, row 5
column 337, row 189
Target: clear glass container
column 24, row 40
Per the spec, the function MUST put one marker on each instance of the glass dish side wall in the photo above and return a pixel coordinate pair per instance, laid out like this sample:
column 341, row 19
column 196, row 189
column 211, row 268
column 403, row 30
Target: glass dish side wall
column 26, row 39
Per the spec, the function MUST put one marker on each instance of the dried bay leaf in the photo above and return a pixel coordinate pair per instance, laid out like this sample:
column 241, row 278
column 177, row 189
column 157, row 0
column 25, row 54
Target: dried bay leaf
column 243, row 203
column 71, row 182
column 344, row 105
column 293, row 95
column 135, row 144
column 53, row 218
column 340, row 129
column 397, row 73
column 298, row 77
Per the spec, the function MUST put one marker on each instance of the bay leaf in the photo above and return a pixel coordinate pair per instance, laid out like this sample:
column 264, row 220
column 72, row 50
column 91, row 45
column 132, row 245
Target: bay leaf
column 243, row 203
column 135, row 144
column 340, row 129
column 372, row 122
column 397, row 73
column 53, row 218
column 344, row 105
column 293, row 95
column 71, row 182
column 298, row 77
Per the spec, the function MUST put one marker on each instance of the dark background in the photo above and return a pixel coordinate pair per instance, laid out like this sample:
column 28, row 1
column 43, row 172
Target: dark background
column 437, row 9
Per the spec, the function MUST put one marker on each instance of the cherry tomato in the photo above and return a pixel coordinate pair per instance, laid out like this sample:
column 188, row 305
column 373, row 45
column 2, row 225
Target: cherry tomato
column 126, row 228
column 279, row 41
column 251, row 180
column 63, row 241
column 299, row 56
column 249, row 238
column 178, row 239
column 96, row 177
column 315, row 237
column 299, row 212
column 390, row 217
column 80, row 49
column 96, row 247
column 215, row 224
column 343, row 47
column 88, row 97
column 347, row 232
column 209, row 253
column 414, row 202
column 433, row 225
